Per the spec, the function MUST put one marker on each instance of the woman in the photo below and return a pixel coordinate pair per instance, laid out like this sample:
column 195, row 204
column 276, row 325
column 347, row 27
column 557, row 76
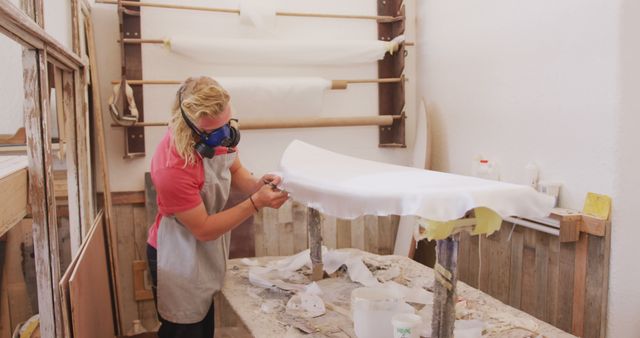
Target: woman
column 193, row 169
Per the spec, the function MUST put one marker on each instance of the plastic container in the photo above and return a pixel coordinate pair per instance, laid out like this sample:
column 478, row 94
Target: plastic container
column 468, row 328
column 406, row 325
column 372, row 310
column 486, row 169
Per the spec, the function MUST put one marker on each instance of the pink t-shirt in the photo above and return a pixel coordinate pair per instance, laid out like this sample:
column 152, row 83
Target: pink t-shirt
column 177, row 186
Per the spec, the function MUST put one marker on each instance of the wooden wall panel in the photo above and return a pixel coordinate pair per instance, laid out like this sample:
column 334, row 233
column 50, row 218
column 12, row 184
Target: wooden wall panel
column 284, row 232
column 534, row 272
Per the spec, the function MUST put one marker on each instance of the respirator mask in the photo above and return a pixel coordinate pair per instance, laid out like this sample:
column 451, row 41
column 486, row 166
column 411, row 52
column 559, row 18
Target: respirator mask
column 226, row 136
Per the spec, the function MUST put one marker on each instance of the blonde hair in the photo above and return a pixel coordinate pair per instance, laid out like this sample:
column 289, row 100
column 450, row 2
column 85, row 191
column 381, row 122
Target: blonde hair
column 201, row 97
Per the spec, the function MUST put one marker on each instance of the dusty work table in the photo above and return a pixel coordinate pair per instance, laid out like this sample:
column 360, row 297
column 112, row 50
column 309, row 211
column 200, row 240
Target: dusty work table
column 246, row 300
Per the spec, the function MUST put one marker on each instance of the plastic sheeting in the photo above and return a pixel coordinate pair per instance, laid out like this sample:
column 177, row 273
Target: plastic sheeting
column 278, row 96
column 349, row 187
column 281, row 52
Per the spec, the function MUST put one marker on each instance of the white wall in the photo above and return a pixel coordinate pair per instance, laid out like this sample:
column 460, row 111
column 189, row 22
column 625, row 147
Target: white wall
column 624, row 293
column 11, row 87
column 523, row 81
column 57, row 20
column 551, row 82
column 260, row 150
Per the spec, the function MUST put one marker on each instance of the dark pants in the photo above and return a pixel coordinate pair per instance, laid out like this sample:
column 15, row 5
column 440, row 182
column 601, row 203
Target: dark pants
column 202, row 329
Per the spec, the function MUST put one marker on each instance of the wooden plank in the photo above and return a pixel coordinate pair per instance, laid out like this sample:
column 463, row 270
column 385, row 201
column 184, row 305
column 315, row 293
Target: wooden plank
column 566, row 269
column 132, row 68
column 484, row 270
column 474, row 261
column 34, row 66
column 343, row 233
column 285, row 214
column 259, row 238
column 286, row 247
column 605, row 283
column 72, row 179
column 515, row 269
column 75, row 27
column 391, row 96
column 386, row 235
column 270, row 219
column 123, row 220
column 91, row 308
column 84, row 164
column 300, row 235
column 285, row 225
column 128, row 197
column 579, row 285
column 52, row 223
column 328, row 230
column 593, row 225
column 98, row 130
column 552, row 281
column 357, row 233
column 371, row 233
column 492, row 269
column 463, row 257
column 503, row 261
column 13, row 200
column 528, row 298
column 541, row 275
column 594, row 292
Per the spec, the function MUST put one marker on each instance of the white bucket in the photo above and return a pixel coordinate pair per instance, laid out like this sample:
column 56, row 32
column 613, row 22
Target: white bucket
column 372, row 310
column 468, row 328
column 406, row 325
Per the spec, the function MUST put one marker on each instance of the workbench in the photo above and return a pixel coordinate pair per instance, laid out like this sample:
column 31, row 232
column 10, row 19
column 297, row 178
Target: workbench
column 242, row 299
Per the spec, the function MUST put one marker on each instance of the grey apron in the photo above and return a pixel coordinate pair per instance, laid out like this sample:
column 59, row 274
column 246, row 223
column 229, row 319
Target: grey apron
column 191, row 271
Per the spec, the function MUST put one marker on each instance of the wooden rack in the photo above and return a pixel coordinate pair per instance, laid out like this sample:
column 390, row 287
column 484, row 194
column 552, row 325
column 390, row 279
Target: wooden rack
column 390, row 21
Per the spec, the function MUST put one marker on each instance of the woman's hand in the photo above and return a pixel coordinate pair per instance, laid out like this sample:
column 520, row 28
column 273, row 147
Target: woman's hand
column 268, row 179
column 268, row 195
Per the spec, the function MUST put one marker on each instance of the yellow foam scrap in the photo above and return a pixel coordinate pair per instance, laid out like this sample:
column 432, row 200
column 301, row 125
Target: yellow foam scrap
column 434, row 229
column 487, row 221
column 597, row 205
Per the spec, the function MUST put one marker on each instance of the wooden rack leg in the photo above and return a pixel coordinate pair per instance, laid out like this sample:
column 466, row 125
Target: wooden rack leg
column 315, row 244
column 446, row 272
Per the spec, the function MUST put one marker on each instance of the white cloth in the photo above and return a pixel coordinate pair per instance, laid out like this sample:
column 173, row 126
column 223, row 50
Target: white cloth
column 348, row 187
column 292, row 96
column 280, row 52
column 260, row 14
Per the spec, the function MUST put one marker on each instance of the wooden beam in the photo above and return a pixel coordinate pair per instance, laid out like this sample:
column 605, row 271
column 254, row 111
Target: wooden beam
column 132, row 68
column 34, row 65
column 579, row 285
column 98, row 129
column 315, row 244
column 68, row 91
column 444, row 297
column 391, row 96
